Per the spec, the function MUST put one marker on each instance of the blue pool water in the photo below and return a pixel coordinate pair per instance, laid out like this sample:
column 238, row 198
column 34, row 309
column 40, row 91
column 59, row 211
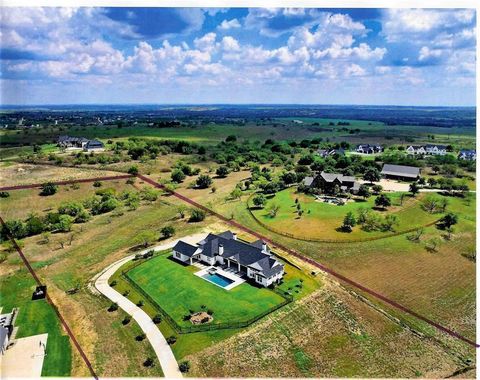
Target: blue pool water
column 218, row 279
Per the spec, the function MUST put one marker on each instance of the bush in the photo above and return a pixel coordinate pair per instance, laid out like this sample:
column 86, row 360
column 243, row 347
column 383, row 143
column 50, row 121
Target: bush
column 133, row 170
column 48, row 188
column 184, row 367
column 126, row 320
column 4, row 194
column 140, row 337
column 140, row 303
column 113, row 307
column 203, row 181
column 171, row 340
column 157, row 319
column 167, row 231
column 178, row 176
column 197, row 215
column 113, row 283
column 97, row 184
column 222, row 171
column 148, row 362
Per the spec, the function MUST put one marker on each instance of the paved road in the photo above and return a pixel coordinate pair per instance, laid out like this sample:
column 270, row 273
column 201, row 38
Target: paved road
column 157, row 340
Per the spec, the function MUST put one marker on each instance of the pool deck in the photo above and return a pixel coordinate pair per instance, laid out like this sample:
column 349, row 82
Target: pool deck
column 236, row 280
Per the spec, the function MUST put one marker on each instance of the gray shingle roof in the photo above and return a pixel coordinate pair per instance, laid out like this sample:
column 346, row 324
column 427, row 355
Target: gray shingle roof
column 185, row 248
column 401, row 170
column 307, row 181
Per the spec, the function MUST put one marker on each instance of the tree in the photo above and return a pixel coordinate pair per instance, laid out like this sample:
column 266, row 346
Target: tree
column 64, row 223
column 203, row 181
column 181, row 211
column 97, row 184
column 390, row 222
column 364, row 191
column 443, row 204
column 222, row 171
column 348, row 222
column 383, row 201
column 167, row 231
column 236, row 193
column 148, row 362
column 231, row 138
column 178, row 176
column 377, row 189
column 413, row 188
column 449, row 220
column 133, row 170
column 430, row 204
column 371, row 175
column 259, row 200
column 48, row 188
column 145, row 238
column 197, row 215
column 273, row 210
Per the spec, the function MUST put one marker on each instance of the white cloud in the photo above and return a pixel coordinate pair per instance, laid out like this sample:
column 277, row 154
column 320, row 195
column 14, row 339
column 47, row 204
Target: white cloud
column 230, row 44
column 227, row 25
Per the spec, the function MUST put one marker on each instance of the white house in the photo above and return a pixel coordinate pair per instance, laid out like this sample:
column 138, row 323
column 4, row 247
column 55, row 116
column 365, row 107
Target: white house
column 440, row 150
column 253, row 260
column 416, row 149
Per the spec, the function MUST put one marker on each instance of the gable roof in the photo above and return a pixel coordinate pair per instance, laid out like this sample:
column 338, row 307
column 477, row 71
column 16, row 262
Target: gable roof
column 307, row 181
column 185, row 248
column 401, row 170
column 94, row 143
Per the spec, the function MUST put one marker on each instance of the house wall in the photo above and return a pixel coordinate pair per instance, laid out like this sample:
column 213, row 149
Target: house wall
column 180, row 257
column 207, row 259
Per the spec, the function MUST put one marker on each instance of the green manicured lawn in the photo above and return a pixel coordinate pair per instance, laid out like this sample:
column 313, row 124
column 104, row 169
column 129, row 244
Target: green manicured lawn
column 37, row 317
column 321, row 220
column 177, row 290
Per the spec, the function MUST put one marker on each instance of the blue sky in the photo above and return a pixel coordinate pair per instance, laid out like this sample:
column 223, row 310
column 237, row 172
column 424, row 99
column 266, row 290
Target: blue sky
column 257, row 55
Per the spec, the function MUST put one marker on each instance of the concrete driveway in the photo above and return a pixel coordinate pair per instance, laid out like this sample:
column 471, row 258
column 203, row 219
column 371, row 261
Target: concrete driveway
column 24, row 359
column 157, row 340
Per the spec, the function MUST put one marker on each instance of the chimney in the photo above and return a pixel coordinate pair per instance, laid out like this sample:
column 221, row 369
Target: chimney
column 220, row 250
column 234, row 235
column 264, row 247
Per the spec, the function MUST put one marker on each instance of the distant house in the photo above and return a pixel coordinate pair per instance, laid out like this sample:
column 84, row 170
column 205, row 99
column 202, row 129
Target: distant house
column 440, row 150
column 402, row 172
column 93, row 145
column 416, row 149
column 432, row 149
column 71, row 142
column 330, row 182
column 253, row 260
column 369, row 148
column 469, row 155
column 330, row 152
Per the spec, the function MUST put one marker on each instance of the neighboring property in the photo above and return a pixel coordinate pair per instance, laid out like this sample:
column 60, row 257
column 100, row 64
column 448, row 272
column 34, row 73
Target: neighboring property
column 331, row 183
column 93, row 145
column 69, row 142
column 432, row 149
column 253, row 260
column 416, row 149
column 407, row 173
column 468, row 154
column 72, row 142
column 369, row 148
column 330, row 152
column 440, row 150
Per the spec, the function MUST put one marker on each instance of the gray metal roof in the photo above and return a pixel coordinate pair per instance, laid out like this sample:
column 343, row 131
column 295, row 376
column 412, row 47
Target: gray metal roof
column 401, row 170
column 307, row 181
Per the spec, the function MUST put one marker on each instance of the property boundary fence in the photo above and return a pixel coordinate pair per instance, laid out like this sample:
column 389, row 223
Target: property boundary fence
column 207, row 327
column 333, row 241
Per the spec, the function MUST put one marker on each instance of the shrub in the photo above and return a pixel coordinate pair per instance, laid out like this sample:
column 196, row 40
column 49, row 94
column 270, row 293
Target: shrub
column 126, row 320
column 148, row 362
column 97, row 184
column 203, row 181
column 178, row 176
column 184, row 367
column 113, row 307
column 48, row 188
column 140, row 303
column 260, row 200
column 113, row 283
column 157, row 319
column 171, row 339
column 4, row 194
column 140, row 337
column 222, row 171
column 133, row 170
column 197, row 215
column 167, row 231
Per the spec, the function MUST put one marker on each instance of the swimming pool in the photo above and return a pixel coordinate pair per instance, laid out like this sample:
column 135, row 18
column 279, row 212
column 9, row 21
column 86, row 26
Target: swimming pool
column 218, row 279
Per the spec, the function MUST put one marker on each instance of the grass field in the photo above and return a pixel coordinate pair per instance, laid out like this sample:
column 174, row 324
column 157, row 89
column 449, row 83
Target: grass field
column 322, row 220
column 37, row 317
column 177, row 290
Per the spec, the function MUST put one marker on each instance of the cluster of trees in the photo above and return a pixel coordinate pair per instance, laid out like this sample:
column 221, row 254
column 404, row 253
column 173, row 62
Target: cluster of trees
column 369, row 221
column 68, row 213
column 182, row 170
column 435, row 204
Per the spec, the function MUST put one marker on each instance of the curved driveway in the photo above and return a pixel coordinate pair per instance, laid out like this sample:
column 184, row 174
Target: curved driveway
column 157, row 340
